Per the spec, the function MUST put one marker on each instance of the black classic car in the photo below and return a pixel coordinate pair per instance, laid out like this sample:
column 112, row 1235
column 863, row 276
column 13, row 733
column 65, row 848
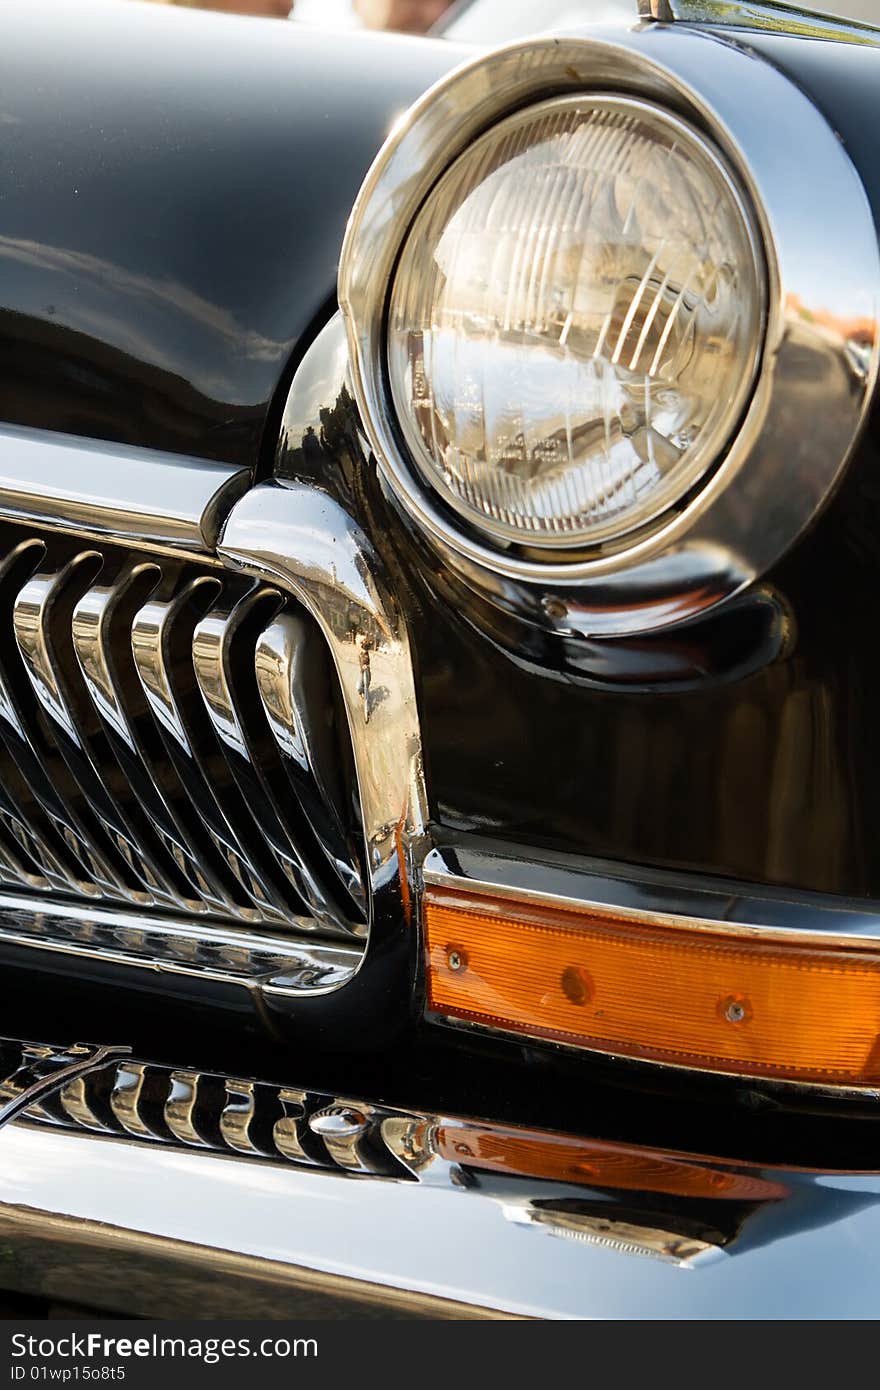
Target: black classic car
column 439, row 811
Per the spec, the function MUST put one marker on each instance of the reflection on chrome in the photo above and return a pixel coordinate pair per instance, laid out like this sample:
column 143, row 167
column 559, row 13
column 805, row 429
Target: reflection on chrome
column 303, row 540
column 43, row 1070
column 98, row 489
column 679, row 1208
column 764, row 15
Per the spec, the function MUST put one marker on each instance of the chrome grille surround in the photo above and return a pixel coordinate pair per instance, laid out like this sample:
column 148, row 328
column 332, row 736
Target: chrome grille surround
column 152, row 751
column 210, row 753
column 225, row 958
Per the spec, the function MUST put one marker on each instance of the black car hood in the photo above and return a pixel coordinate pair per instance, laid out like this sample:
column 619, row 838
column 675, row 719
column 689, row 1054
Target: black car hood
column 174, row 187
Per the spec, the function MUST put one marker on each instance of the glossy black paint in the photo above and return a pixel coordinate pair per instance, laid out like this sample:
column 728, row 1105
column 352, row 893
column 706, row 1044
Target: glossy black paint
column 742, row 745
column 174, row 186
column 745, row 745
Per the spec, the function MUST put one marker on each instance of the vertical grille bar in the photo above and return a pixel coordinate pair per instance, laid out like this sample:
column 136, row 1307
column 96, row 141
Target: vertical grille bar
column 102, row 638
column 223, row 655
column 37, row 772
column 162, row 640
column 42, row 619
column 144, row 753
column 295, row 691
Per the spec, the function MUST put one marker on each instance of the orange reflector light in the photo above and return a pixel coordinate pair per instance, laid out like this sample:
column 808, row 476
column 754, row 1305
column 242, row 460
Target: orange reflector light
column 628, row 984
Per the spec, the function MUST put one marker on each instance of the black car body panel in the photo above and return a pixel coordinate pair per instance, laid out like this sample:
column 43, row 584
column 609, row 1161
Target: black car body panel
column 174, row 192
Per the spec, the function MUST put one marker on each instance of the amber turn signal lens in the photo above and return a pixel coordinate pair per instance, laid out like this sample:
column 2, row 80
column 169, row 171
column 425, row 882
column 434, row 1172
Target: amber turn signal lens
column 633, row 985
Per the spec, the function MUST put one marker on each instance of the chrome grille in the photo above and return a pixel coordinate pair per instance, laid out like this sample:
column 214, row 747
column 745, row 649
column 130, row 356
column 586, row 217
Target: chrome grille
column 170, row 738
column 205, row 1110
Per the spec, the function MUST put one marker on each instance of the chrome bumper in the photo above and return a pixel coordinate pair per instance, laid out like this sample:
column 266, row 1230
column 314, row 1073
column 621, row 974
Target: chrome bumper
column 402, row 1214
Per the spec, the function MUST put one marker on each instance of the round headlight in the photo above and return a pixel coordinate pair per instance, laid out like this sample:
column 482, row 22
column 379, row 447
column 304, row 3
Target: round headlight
column 575, row 322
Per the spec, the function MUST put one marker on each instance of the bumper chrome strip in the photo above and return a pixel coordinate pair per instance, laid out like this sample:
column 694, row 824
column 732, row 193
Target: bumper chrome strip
column 198, row 1178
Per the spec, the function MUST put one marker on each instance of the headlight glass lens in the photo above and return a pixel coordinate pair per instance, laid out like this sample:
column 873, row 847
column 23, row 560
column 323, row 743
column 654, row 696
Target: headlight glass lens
column 575, row 322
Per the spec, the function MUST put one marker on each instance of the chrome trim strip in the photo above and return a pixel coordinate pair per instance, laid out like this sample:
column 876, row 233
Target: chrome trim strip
column 820, row 361
column 75, row 1103
column 296, row 703
column 181, row 1111
column 95, row 488
column 155, row 634
column 237, row 1117
column 210, row 647
column 23, row 810
column 39, row 797
column 632, row 891
column 244, row 817
column 176, row 947
column 105, row 659
column 769, row 17
column 111, row 850
column 43, row 616
column 287, row 1132
column 126, row 1101
column 345, row 1130
column 214, row 660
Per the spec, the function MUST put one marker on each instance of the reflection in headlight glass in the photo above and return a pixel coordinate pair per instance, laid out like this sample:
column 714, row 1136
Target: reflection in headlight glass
column 575, row 321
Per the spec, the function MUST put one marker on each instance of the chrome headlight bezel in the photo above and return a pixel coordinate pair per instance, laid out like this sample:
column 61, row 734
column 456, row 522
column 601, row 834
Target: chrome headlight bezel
column 663, row 132
column 792, row 443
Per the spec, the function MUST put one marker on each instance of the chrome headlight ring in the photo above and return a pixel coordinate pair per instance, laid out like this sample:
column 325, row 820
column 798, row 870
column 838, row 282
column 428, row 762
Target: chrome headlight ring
column 810, row 393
